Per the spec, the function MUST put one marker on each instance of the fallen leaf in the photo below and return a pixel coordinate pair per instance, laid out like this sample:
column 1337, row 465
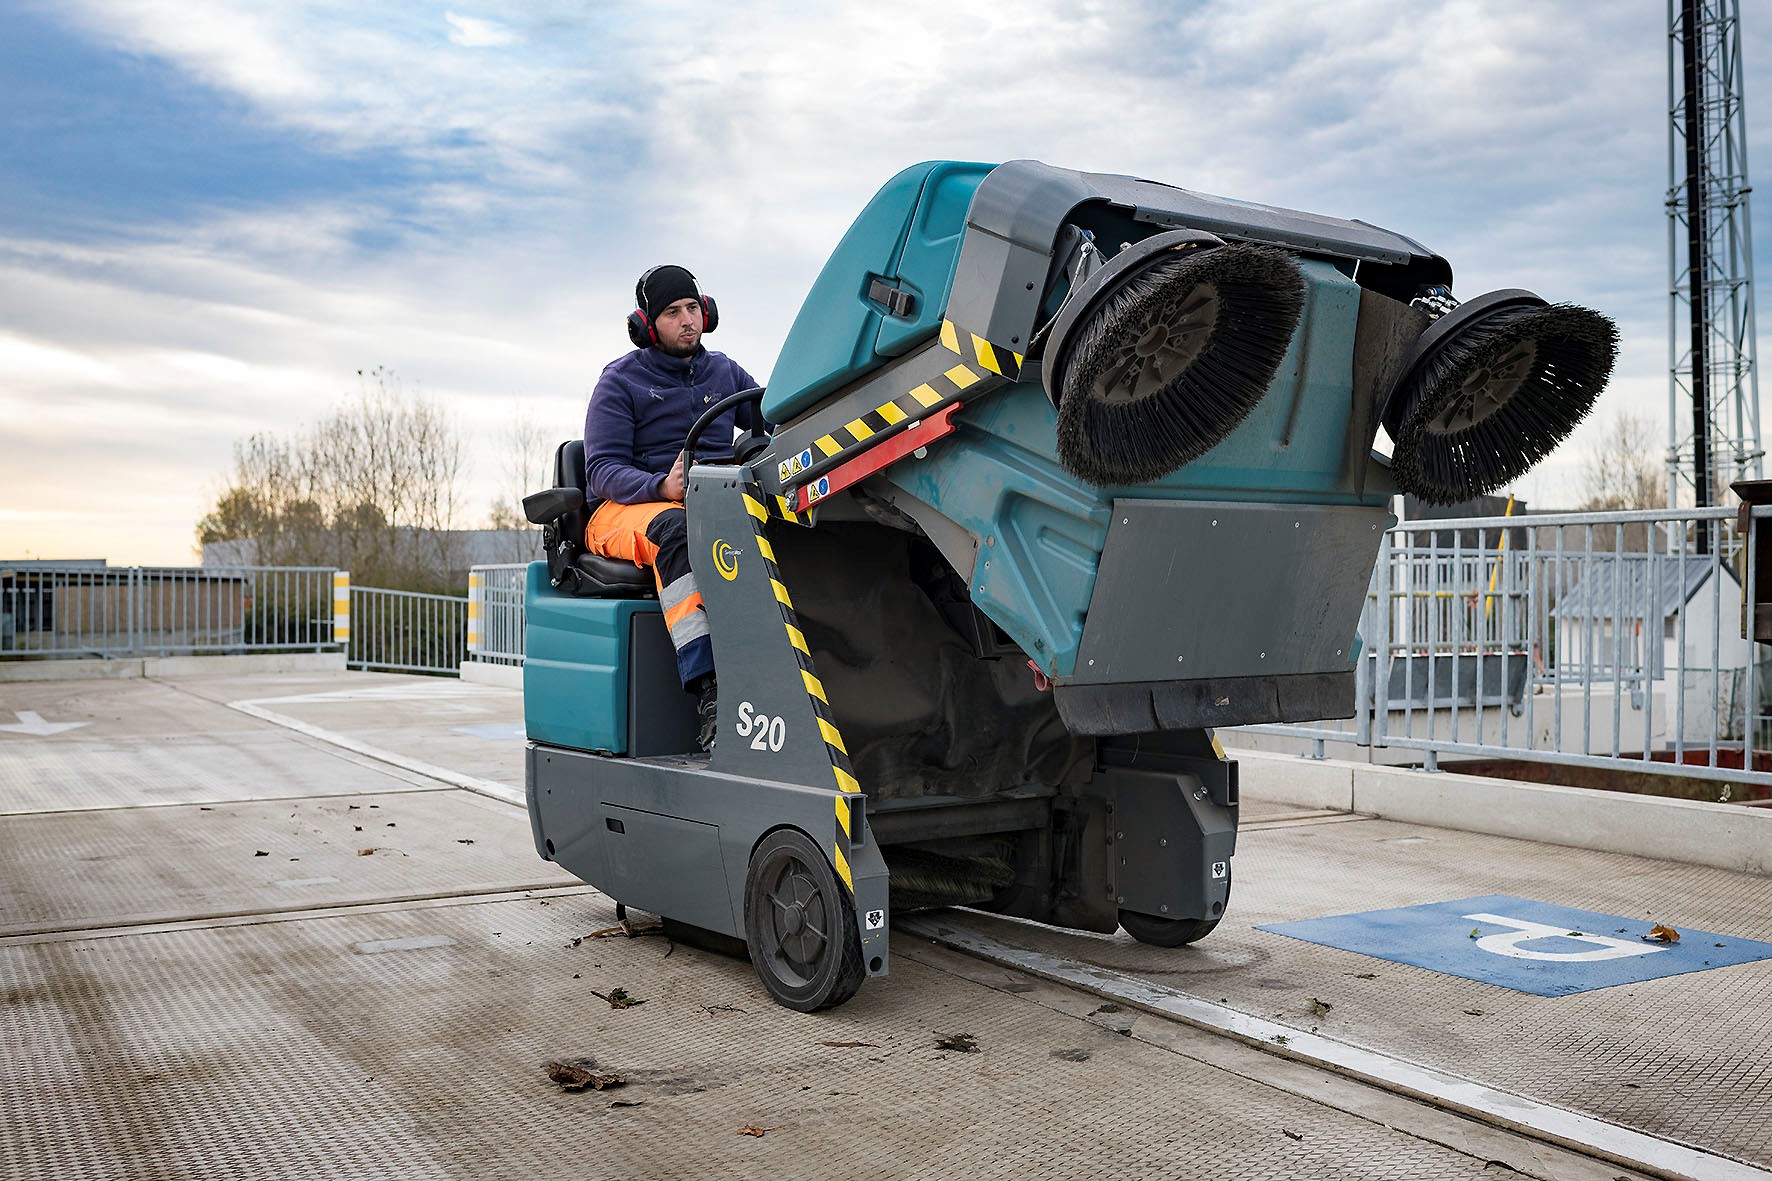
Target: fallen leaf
column 1476, row 931
column 576, row 1074
column 629, row 1103
column 751, row 1130
column 1291, row 1135
column 261, row 853
column 391, row 824
column 1661, row 934
column 963, row 1043
column 1473, row 1012
column 469, row 841
column 1280, row 1039
column 1365, row 975
column 1317, row 1008
column 850, row 1045
column 365, row 852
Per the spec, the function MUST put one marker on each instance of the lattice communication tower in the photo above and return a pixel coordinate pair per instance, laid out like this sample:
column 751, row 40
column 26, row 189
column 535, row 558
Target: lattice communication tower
column 1714, row 386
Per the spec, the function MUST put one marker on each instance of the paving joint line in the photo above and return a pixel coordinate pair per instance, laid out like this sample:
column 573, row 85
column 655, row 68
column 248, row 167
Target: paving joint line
column 389, row 904
column 486, row 787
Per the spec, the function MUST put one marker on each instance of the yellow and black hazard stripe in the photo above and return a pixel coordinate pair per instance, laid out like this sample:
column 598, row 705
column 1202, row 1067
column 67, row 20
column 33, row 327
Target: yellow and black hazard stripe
column 780, row 508
column 970, row 346
column 757, row 504
column 979, row 361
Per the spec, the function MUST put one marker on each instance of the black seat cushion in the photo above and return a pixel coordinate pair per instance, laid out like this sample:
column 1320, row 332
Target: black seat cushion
column 611, row 578
column 570, row 568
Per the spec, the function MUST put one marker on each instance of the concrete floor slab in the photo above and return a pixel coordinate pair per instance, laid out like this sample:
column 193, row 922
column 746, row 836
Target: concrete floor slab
column 1685, row 1057
column 286, row 1050
column 76, row 870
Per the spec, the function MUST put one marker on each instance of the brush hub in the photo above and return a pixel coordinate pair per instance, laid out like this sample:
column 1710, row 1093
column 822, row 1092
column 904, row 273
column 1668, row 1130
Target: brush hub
column 1180, row 329
column 1488, row 388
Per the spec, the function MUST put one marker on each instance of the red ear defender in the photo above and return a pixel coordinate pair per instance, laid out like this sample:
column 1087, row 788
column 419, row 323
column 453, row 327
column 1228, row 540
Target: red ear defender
column 640, row 329
column 710, row 314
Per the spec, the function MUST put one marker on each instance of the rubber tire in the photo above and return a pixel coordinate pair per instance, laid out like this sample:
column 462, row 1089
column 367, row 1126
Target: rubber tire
column 835, row 972
column 1161, row 932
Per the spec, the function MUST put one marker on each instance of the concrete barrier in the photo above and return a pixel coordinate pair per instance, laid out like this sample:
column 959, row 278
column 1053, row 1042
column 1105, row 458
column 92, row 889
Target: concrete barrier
column 230, row 665
column 1726, row 836
column 486, row 672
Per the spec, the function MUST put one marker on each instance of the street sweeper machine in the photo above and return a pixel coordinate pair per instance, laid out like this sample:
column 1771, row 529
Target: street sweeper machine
column 1067, row 470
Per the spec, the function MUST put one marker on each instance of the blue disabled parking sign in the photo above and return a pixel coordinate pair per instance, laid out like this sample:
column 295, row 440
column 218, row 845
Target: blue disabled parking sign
column 1524, row 945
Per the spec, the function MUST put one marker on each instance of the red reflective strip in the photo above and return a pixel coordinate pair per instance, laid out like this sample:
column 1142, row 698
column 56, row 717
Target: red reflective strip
column 882, row 456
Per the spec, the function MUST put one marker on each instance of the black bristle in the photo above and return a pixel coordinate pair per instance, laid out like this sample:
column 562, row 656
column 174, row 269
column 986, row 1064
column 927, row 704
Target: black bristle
column 1259, row 293
column 921, row 879
column 1567, row 356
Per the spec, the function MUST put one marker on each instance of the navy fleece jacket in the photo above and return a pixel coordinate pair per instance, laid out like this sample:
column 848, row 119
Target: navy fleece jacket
column 641, row 412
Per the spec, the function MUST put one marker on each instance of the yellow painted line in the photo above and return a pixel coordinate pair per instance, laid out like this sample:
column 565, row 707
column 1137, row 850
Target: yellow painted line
column 842, row 864
column 756, row 510
column 843, row 816
column 891, row 413
column 829, row 446
column 961, row 376
column 846, row 781
column 781, row 593
column 950, row 338
column 764, row 548
column 831, row 735
column 813, row 687
column 798, row 639
column 926, row 395
column 859, row 429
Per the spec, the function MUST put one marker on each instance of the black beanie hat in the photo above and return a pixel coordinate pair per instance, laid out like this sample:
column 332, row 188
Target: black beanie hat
column 663, row 286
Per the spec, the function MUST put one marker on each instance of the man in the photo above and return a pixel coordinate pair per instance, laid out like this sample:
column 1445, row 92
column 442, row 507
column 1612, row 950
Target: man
column 639, row 417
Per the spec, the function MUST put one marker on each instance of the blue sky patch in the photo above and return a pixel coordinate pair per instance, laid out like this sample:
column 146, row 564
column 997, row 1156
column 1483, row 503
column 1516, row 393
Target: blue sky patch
column 1524, row 945
column 90, row 137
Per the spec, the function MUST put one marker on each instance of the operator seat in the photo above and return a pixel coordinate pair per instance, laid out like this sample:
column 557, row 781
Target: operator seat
column 572, row 570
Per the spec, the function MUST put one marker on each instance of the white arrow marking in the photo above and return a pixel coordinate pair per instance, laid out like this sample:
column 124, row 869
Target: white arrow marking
column 30, row 722
column 1526, row 931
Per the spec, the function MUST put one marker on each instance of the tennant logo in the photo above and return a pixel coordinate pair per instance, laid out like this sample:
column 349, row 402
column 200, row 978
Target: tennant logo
column 725, row 560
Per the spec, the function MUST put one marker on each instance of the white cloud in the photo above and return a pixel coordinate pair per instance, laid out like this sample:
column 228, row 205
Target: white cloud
column 474, row 33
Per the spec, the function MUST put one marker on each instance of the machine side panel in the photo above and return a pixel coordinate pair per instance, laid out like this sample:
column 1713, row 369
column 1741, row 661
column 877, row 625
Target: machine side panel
column 685, row 836
column 1193, row 590
column 1174, row 844
column 575, row 679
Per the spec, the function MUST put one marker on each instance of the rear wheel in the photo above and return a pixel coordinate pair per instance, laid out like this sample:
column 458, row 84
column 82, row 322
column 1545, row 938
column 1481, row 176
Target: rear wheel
column 1162, row 932
column 799, row 924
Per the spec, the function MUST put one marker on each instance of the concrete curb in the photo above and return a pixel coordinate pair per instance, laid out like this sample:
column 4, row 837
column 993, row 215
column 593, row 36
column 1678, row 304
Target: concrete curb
column 234, row 665
column 1720, row 835
column 480, row 672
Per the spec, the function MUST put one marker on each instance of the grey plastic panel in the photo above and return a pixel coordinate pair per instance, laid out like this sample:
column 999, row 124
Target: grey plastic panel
column 1200, row 589
column 661, row 716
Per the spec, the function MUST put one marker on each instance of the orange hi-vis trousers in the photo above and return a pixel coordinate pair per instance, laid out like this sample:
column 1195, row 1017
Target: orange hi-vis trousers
column 656, row 534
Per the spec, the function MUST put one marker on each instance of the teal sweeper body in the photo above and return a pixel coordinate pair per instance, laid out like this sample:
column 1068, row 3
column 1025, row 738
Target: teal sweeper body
column 1069, row 469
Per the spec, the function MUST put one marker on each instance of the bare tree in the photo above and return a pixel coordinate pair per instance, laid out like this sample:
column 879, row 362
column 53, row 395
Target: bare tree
column 524, row 451
column 1625, row 470
column 371, row 488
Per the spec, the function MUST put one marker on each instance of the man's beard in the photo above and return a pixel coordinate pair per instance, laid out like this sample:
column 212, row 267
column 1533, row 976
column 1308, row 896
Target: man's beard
column 671, row 350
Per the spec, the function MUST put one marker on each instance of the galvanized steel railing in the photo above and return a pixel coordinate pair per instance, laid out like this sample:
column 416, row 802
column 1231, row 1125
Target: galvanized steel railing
column 71, row 609
column 405, row 631
column 1587, row 639
column 495, row 613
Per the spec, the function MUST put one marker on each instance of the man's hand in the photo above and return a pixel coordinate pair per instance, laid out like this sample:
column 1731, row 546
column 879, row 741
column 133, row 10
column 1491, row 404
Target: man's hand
column 673, row 487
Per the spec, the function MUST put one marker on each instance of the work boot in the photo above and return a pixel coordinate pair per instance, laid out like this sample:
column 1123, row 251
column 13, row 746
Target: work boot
column 707, row 713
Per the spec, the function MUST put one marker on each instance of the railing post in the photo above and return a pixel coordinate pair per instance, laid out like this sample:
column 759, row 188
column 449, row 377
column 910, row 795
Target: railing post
column 341, row 611
column 476, row 600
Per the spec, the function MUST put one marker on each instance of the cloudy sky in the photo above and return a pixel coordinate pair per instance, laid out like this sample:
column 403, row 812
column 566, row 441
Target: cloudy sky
column 214, row 213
